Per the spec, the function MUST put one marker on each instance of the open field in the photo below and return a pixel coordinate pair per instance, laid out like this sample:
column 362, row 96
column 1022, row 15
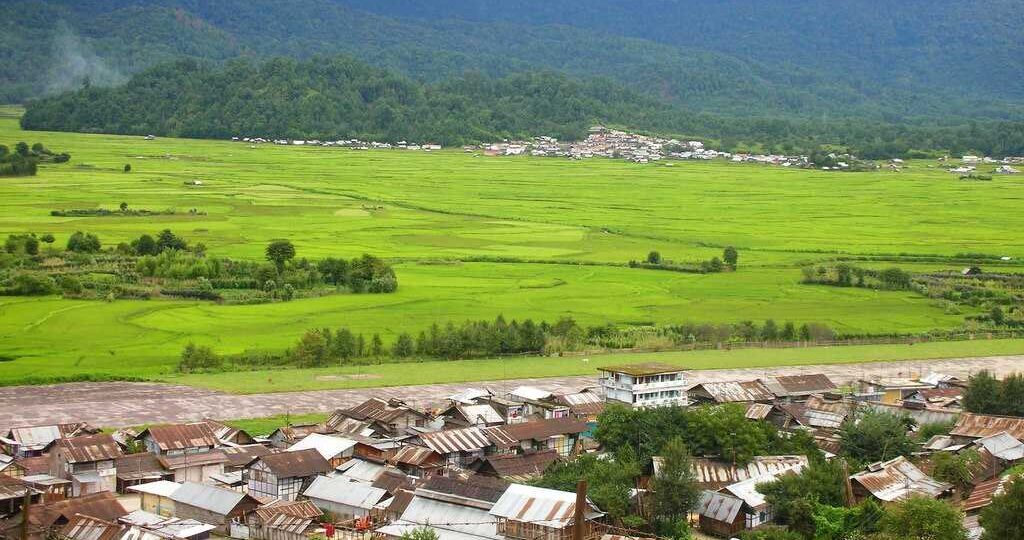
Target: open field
column 424, row 208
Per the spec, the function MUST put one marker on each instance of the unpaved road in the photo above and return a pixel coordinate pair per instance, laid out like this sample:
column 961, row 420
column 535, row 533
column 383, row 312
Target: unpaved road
column 118, row 404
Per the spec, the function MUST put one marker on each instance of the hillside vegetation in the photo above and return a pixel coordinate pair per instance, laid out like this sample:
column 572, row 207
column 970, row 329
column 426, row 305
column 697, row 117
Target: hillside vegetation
column 340, row 98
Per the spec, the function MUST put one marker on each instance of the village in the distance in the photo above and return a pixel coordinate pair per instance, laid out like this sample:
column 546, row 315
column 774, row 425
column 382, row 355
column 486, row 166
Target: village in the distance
column 474, row 465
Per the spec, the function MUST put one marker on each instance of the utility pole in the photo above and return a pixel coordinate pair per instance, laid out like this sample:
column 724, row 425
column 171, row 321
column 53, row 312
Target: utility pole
column 580, row 516
column 25, row 505
column 847, row 484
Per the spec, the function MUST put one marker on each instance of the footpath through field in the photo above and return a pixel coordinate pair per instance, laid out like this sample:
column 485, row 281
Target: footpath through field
column 117, row 404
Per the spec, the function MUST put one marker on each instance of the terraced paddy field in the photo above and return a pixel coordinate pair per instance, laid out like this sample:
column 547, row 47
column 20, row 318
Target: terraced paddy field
column 567, row 227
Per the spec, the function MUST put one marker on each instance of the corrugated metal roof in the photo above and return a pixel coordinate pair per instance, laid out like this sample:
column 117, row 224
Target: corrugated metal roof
column 86, row 448
column 469, row 395
column 292, row 524
column 423, row 510
column 11, row 488
column 101, row 505
column 1003, row 446
column 802, row 385
column 982, row 425
column 747, row 489
column 521, row 467
column 758, row 411
column 469, row 490
column 214, row 499
column 735, row 391
column 983, row 493
column 296, row 464
column 39, row 437
column 581, row 398
column 457, row 440
column 329, row 447
column 181, row 436
column 181, row 461
column 363, row 471
column 90, row 528
column 715, row 473
column 412, row 455
column 539, row 429
column 529, row 392
column 483, row 413
column 921, row 416
column 163, row 488
column 303, row 509
column 541, row 506
column 719, row 506
column 898, row 479
column 380, row 410
column 240, row 456
column 343, row 425
column 343, row 491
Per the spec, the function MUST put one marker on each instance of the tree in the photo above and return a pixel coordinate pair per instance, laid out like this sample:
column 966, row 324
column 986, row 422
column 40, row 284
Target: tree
column 1004, row 518
column 344, row 344
column 654, row 257
column 279, row 252
column 334, row 271
column 376, row 346
column 420, row 533
column 997, row 316
column 875, row 436
column 80, row 242
column 48, row 238
column 311, row 350
column 795, row 496
column 675, row 488
column 1011, row 395
column 123, row 206
column 145, row 245
column 957, row 469
column 731, row 257
column 788, row 332
column 609, row 481
column 196, row 357
column 982, row 394
column 770, row 330
column 167, row 240
column 921, row 518
column 127, row 167
column 403, row 347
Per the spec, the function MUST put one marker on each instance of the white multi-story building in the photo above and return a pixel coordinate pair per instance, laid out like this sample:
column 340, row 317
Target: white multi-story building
column 649, row 384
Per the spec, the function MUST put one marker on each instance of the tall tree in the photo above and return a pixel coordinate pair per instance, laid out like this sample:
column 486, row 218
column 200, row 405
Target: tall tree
column 1004, row 518
column 279, row 252
column 921, row 518
column 675, row 487
column 982, row 394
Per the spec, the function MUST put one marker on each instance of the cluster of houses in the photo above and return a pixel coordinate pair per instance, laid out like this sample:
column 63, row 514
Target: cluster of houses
column 354, row 144
column 463, row 468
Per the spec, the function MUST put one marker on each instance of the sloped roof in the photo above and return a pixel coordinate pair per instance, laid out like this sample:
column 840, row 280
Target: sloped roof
column 297, row 464
column 1003, row 446
column 521, row 467
column 211, row 498
column 713, row 473
column 982, row 425
column 101, row 505
column 758, row 411
column 328, row 446
column 898, row 479
column 240, row 456
column 747, row 489
column 211, row 457
column 343, row 491
column 457, row 522
column 86, row 448
column 163, row 488
column 413, row 455
column 362, row 470
column 801, row 385
column 542, row 429
column 719, row 506
column 483, row 489
column 480, row 413
column 541, row 506
column 35, row 438
column 735, row 391
column 530, row 393
column 299, row 509
column 181, row 436
column 379, row 410
column 138, row 466
column 465, row 439
column 983, row 493
column 392, row 480
column 89, row 528
column 469, row 395
column 11, row 488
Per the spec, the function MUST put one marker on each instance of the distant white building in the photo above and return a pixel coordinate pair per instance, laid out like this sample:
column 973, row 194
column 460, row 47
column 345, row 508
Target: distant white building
column 649, row 384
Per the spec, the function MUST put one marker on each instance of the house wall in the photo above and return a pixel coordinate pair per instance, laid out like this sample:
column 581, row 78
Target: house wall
column 199, row 473
column 187, row 511
column 341, row 512
column 721, row 528
column 156, row 504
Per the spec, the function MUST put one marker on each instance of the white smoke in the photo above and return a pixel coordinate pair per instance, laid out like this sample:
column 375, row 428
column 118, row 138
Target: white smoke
column 73, row 63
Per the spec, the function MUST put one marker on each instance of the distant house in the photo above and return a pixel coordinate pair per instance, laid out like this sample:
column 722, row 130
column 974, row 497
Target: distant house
column 282, row 520
column 30, row 441
column 458, row 415
column 12, row 495
column 141, row 468
column 179, row 439
column 48, row 518
column 895, row 480
column 584, row 405
column 393, row 417
column 649, row 384
column 342, row 498
column 336, row 450
column 527, row 512
column 88, row 461
column 286, row 436
column 214, row 505
column 800, row 387
column 228, row 435
column 194, row 467
column 464, row 502
column 713, row 474
column 730, row 392
column 721, row 514
column 559, row 434
column 891, row 390
column 417, row 461
column 971, row 426
column 459, row 447
column 516, row 467
column 285, row 475
column 155, row 497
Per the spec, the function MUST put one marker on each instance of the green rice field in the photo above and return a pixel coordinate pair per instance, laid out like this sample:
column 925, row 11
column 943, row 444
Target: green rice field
column 431, row 213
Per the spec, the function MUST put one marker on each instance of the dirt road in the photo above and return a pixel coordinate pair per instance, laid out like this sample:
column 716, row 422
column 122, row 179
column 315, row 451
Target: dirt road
column 118, row 404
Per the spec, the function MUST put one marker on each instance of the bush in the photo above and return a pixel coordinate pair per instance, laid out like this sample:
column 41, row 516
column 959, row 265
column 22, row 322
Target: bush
column 31, row 285
column 198, row 357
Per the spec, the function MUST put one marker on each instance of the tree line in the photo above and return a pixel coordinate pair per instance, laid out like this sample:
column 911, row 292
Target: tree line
column 987, row 395
column 24, row 160
column 337, row 97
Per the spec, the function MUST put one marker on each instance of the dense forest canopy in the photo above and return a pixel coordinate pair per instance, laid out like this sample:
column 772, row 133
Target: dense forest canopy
column 340, row 98
column 897, row 61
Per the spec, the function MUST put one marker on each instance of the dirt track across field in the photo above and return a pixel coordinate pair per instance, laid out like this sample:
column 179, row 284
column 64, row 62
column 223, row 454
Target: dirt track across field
column 117, row 404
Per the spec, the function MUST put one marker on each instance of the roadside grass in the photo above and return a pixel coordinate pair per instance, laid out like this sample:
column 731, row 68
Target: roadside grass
column 261, row 427
column 421, row 208
column 410, row 373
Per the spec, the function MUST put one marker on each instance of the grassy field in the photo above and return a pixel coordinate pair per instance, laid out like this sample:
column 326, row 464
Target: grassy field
column 424, row 208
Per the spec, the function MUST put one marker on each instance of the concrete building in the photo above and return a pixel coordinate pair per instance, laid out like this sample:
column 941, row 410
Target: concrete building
column 649, row 384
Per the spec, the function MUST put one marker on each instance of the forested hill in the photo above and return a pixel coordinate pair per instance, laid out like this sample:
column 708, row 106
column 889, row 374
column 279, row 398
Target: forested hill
column 331, row 98
column 942, row 61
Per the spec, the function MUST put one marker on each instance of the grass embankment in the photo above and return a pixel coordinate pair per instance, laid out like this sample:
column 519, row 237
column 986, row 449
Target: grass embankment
column 419, row 207
column 528, row 367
